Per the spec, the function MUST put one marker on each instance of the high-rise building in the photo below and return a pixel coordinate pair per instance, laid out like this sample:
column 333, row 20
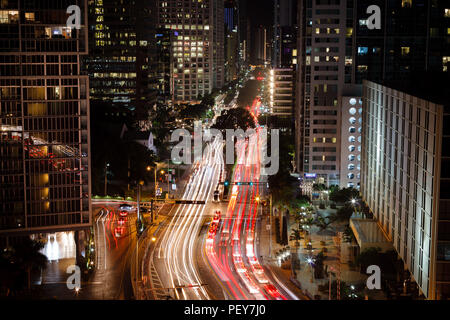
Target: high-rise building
column 337, row 51
column 285, row 34
column 281, row 97
column 218, row 43
column 44, row 119
column 197, row 46
column 231, row 51
column 122, row 55
column 405, row 176
column 260, row 46
column 322, row 77
column 163, row 44
column 414, row 37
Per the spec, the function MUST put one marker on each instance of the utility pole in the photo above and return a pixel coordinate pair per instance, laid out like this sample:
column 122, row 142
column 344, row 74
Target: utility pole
column 329, row 285
column 270, row 219
column 106, row 177
column 168, row 178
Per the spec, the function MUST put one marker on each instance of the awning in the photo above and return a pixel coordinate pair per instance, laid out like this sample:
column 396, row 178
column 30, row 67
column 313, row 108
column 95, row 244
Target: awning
column 368, row 234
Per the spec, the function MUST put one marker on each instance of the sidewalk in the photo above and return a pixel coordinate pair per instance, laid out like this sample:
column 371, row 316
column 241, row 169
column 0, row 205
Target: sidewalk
column 336, row 261
column 145, row 240
column 267, row 249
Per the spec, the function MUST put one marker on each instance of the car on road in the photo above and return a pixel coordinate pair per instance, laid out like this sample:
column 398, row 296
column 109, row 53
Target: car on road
column 125, row 206
column 239, row 264
column 119, row 231
column 121, row 221
column 234, row 191
column 216, row 217
column 123, row 213
column 273, row 291
column 261, row 278
column 252, row 288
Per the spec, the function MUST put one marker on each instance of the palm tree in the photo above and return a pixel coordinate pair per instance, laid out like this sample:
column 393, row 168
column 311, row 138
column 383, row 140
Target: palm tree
column 296, row 236
column 28, row 257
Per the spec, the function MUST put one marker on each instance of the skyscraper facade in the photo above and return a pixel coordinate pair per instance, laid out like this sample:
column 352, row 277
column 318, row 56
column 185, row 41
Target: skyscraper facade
column 285, row 33
column 231, row 51
column 122, row 55
column 195, row 57
column 324, row 74
column 405, row 179
column 413, row 38
column 44, row 118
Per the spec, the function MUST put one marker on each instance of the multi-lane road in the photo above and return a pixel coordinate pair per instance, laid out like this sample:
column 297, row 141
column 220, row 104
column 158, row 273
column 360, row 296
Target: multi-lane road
column 226, row 250
column 233, row 251
column 174, row 255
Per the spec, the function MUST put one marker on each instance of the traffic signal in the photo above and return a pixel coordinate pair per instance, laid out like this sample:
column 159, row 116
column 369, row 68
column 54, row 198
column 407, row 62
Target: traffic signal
column 238, row 183
column 226, row 183
column 251, row 183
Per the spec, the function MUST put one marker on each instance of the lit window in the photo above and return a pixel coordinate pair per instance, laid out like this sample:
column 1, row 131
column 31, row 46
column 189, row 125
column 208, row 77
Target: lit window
column 405, row 51
column 9, row 16
column 363, row 50
column 445, row 63
column 349, row 32
column 447, row 13
column 406, row 3
column 29, row 16
column 362, row 68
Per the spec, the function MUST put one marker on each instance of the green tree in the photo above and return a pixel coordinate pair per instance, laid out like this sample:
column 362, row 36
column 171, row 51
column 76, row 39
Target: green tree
column 343, row 195
column 296, row 235
column 318, row 265
column 27, row 257
column 368, row 257
column 234, row 119
column 344, row 213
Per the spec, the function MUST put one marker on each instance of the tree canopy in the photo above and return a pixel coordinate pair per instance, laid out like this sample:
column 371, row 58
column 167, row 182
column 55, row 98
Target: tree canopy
column 234, row 118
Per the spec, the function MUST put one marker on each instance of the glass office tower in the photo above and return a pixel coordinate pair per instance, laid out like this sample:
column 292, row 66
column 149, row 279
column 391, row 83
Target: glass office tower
column 44, row 118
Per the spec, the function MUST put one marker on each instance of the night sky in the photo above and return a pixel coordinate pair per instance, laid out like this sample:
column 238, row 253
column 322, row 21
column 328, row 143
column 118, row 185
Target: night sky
column 260, row 12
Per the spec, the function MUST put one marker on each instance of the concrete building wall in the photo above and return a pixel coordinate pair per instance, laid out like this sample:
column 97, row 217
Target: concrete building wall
column 400, row 174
